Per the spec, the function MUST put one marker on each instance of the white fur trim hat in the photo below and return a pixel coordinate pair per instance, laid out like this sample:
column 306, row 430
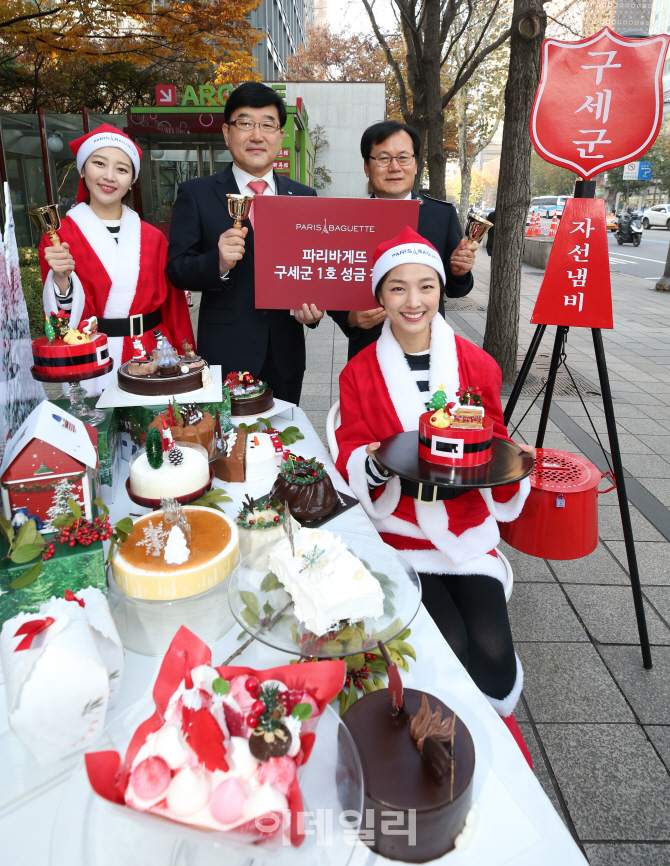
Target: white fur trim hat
column 406, row 247
column 103, row 136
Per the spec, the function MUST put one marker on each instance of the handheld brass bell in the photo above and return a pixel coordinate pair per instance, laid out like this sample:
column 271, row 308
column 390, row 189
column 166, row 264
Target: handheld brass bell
column 239, row 207
column 47, row 222
column 476, row 228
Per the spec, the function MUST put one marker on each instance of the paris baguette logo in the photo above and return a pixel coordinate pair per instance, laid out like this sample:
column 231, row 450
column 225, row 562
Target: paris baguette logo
column 327, row 229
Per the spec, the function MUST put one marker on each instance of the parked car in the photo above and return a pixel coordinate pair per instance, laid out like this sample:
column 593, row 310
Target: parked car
column 612, row 222
column 657, row 217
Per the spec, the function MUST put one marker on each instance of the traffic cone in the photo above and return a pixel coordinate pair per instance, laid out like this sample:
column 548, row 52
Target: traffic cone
column 536, row 225
column 554, row 226
column 531, row 224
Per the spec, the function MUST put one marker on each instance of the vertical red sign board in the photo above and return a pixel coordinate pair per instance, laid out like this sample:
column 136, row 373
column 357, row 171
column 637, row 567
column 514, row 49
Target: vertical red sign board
column 576, row 289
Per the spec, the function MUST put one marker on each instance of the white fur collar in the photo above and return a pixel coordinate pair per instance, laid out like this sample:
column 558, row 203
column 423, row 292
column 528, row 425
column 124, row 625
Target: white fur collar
column 121, row 260
column 407, row 400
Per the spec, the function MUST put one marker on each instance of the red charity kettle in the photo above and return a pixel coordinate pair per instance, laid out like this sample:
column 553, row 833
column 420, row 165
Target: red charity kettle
column 560, row 517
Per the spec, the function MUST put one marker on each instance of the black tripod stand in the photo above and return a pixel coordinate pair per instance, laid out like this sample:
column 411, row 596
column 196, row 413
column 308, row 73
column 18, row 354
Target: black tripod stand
column 587, row 189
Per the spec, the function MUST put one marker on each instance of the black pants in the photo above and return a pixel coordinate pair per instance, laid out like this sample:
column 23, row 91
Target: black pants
column 283, row 389
column 471, row 612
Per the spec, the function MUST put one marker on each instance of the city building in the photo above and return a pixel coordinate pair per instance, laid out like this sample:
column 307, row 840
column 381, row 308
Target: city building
column 660, row 17
column 596, row 15
column 492, row 150
column 632, row 15
column 284, row 23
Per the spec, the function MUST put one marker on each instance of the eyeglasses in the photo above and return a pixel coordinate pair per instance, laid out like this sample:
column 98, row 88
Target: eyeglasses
column 402, row 159
column 248, row 125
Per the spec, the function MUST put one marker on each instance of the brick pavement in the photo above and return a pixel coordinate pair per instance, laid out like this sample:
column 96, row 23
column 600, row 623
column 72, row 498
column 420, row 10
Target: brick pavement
column 597, row 723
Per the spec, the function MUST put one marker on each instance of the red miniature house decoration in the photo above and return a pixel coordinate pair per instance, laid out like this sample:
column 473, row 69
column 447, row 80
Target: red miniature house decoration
column 48, row 462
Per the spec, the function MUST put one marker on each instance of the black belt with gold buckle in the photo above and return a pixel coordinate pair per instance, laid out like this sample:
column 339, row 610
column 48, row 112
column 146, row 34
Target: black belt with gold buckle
column 133, row 326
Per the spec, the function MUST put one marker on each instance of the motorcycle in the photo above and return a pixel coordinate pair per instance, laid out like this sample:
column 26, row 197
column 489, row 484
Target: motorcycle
column 629, row 230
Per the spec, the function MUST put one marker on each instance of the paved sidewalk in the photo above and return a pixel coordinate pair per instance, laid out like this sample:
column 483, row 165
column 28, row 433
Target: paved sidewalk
column 597, row 723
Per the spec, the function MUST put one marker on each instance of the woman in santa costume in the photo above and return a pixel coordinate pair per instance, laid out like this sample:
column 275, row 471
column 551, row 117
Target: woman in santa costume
column 110, row 263
column 451, row 543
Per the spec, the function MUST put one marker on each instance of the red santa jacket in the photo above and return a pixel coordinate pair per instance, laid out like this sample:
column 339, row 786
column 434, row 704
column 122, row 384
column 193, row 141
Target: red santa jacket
column 118, row 278
column 379, row 397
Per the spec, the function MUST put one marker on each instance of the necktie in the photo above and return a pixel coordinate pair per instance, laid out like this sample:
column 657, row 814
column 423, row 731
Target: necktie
column 257, row 187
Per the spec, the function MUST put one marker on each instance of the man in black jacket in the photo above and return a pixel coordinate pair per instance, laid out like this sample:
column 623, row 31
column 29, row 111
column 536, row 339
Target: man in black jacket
column 390, row 151
column 207, row 254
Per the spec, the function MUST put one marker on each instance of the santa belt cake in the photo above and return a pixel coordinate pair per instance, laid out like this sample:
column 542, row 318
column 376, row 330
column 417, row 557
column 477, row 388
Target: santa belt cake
column 455, row 447
column 59, row 357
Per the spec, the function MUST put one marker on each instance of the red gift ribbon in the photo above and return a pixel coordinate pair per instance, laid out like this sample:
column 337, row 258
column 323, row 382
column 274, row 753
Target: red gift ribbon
column 30, row 630
column 70, row 596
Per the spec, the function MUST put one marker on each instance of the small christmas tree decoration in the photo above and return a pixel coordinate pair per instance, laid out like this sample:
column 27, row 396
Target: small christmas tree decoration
column 176, row 456
column 49, row 330
column 154, row 448
column 438, row 400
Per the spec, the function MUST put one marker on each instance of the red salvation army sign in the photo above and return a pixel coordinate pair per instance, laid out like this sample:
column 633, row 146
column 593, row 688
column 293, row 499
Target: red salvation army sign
column 576, row 288
column 310, row 250
column 599, row 103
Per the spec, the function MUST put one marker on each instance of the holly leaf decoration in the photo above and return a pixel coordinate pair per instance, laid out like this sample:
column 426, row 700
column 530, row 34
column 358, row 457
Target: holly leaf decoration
column 124, row 526
column 27, row 577
column 251, row 601
column 63, row 520
column 290, row 435
column 102, row 508
column 301, row 712
column 221, row 686
column 26, row 534
column 7, row 529
column 25, row 553
column 75, row 508
column 270, row 582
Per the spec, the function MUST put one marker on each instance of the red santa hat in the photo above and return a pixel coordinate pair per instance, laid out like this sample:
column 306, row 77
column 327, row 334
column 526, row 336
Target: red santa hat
column 103, row 136
column 406, row 247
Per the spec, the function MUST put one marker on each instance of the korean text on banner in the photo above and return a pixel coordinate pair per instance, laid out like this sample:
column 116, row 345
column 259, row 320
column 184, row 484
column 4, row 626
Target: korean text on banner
column 576, row 289
column 310, row 250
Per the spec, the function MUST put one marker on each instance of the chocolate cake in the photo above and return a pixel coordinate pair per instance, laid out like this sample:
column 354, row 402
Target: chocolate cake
column 153, row 384
column 398, row 777
column 248, row 395
column 189, row 424
column 230, row 466
column 307, row 488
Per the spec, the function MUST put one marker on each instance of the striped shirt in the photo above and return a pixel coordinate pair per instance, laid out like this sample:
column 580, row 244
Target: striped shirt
column 64, row 302
column 419, row 365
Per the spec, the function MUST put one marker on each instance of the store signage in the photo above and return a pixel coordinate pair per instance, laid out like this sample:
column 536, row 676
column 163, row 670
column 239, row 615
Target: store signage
column 638, row 171
column 166, row 94
column 319, row 250
column 202, row 95
column 576, row 289
column 588, row 92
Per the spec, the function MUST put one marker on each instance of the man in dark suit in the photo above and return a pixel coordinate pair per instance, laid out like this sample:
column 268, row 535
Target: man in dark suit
column 390, row 151
column 207, row 254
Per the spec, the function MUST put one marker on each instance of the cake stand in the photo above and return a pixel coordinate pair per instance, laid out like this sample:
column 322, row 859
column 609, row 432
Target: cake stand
column 76, row 393
column 91, row 831
column 264, row 609
column 399, row 454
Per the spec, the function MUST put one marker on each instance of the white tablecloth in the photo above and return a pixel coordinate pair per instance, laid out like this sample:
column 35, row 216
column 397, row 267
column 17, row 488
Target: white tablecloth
column 517, row 823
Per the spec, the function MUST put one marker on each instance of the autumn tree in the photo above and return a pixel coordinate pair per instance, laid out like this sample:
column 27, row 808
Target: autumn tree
column 328, row 55
column 431, row 31
column 63, row 54
column 549, row 179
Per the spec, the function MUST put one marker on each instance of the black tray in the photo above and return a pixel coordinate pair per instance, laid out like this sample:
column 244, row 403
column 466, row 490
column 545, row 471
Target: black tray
column 399, row 454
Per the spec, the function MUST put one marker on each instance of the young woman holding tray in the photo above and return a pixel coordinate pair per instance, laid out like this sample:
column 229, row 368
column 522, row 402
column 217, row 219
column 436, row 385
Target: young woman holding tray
column 450, row 543
column 111, row 264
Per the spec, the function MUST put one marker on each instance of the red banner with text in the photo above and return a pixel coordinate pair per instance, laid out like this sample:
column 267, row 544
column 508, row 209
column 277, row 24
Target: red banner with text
column 576, row 289
column 311, row 250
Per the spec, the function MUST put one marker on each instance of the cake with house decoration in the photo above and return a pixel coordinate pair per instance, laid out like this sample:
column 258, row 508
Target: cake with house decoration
column 248, row 395
column 82, row 352
column 48, row 462
column 164, row 372
column 456, row 433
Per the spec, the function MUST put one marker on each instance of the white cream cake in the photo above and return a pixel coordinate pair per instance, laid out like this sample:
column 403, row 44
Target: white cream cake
column 170, row 481
column 262, row 461
column 325, row 580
